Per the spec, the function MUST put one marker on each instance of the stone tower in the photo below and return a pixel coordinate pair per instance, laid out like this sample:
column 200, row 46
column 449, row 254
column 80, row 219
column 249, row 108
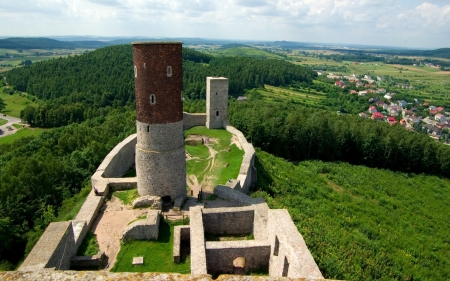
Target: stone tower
column 216, row 102
column 160, row 152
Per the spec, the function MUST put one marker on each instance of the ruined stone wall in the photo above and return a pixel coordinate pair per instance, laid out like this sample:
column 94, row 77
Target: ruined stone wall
column 181, row 233
column 147, row 229
column 228, row 221
column 247, row 172
column 193, row 119
column 220, row 255
column 198, row 252
column 119, row 159
column 289, row 255
column 115, row 164
column 52, row 275
column 55, row 248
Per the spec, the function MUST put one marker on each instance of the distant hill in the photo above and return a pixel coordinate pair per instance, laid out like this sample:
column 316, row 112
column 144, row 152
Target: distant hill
column 46, row 43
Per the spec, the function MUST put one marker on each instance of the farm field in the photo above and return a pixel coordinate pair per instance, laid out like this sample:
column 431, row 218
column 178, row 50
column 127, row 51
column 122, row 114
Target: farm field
column 429, row 83
column 15, row 103
column 278, row 94
column 244, row 51
column 35, row 55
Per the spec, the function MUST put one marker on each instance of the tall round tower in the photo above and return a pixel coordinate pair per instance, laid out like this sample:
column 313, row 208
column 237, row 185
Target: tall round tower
column 160, row 152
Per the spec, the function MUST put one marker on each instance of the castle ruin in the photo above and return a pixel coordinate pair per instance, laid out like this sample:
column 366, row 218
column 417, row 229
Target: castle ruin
column 157, row 150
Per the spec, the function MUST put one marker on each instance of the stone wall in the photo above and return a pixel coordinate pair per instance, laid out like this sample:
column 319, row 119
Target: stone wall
column 193, row 119
column 235, row 196
column 198, row 252
column 289, row 255
column 247, row 172
column 228, row 221
column 52, row 275
column 88, row 262
column 181, row 233
column 146, row 229
column 115, row 164
column 220, row 255
column 90, row 208
column 120, row 159
column 55, row 248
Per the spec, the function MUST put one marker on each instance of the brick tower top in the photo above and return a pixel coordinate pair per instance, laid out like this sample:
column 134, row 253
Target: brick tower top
column 158, row 78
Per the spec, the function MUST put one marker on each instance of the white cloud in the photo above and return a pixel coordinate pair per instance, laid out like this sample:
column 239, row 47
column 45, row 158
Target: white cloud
column 352, row 21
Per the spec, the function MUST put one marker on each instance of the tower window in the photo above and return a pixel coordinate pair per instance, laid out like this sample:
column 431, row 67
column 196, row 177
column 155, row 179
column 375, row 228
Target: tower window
column 217, row 113
column 276, row 246
column 135, row 71
column 216, row 93
column 169, row 71
column 152, row 99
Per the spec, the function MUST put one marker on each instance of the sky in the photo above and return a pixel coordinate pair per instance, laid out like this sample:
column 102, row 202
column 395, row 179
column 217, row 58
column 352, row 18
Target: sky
column 403, row 23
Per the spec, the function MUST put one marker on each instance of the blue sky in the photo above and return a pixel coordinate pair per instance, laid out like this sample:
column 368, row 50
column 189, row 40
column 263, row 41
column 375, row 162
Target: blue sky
column 407, row 23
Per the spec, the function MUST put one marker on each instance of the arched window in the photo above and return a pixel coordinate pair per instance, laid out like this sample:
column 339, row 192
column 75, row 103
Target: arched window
column 152, row 99
column 169, row 71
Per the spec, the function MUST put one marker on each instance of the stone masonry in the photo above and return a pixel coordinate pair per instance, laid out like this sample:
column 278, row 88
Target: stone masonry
column 216, row 102
column 160, row 152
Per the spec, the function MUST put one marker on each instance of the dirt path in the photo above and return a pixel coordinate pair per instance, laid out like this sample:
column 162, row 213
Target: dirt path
column 109, row 225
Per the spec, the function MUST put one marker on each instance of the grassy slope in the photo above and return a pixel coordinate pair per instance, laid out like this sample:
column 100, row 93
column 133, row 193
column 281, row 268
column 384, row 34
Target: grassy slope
column 26, row 132
column 361, row 223
column 3, row 121
column 14, row 103
column 220, row 172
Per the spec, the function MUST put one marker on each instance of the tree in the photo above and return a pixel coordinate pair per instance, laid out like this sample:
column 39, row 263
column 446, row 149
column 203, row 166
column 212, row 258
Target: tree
column 2, row 104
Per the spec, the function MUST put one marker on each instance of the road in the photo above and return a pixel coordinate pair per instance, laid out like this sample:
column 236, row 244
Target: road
column 11, row 120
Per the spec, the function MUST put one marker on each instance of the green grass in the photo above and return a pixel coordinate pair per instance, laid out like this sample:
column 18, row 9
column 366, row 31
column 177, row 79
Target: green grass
column 3, row 122
column 15, row 103
column 25, row 132
column 227, row 153
column 200, row 151
column 234, row 160
column 245, row 51
column 157, row 254
column 126, row 196
column 89, row 246
column 17, row 126
column 278, row 94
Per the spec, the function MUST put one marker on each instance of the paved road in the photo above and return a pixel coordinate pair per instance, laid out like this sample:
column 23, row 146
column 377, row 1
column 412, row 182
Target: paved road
column 11, row 120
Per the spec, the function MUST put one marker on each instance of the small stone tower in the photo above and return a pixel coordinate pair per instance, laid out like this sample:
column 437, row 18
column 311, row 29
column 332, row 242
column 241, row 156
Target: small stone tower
column 216, row 102
column 160, row 152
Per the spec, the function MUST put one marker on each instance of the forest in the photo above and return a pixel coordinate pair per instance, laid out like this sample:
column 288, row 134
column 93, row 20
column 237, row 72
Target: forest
column 77, row 88
column 384, row 218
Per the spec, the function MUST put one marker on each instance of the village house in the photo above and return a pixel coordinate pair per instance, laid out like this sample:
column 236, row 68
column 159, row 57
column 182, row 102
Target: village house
column 440, row 118
column 391, row 120
column 432, row 107
column 403, row 103
column 377, row 116
column 372, row 109
column 381, row 91
column 440, row 110
column 354, row 92
column 362, row 93
column 379, row 78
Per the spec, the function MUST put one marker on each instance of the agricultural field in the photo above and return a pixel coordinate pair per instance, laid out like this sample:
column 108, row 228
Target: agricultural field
column 245, row 51
column 15, row 103
column 278, row 94
column 10, row 58
column 429, row 83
